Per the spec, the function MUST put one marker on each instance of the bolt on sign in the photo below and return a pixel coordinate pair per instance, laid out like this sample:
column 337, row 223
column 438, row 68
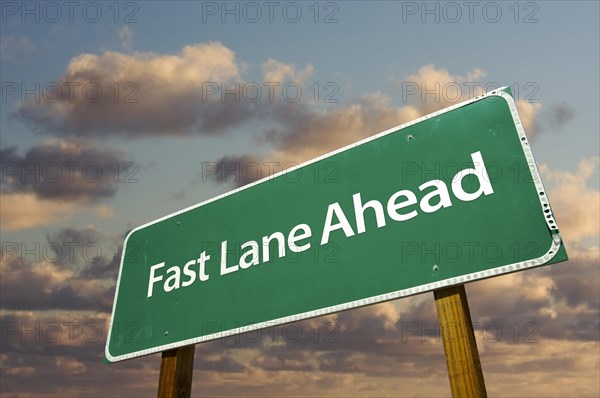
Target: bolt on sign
column 450, row 198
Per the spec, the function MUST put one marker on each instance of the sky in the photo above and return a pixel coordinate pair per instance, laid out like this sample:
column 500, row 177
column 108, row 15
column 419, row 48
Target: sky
column 114, row 114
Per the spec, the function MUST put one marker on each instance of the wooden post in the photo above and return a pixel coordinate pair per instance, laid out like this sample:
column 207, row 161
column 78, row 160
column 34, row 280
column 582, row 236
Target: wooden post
column 176, row 369
column 462, row 357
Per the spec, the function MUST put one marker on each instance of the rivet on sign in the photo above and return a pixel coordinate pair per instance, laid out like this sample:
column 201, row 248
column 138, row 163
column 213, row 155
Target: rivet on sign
column 435, row 267
column 166, row 332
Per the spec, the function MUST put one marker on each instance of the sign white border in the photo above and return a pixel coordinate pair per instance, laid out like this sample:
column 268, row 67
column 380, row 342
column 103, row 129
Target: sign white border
column 550, row 253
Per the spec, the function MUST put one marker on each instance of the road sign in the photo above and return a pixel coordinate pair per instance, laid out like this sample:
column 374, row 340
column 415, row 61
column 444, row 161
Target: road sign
column 450, row 198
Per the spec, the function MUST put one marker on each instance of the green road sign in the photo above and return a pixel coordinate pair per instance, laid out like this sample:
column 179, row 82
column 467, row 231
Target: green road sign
column 449, row 198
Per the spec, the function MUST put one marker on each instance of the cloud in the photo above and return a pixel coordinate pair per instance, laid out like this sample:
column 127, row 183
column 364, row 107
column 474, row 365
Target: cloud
column 301, row 132
column 577, row 286
column 62, row 351
column 26, row 210
column 44, row 285
column 547, row 368
column 528, row 112
column 382, row 343
column 73, row 269
column 92, row 252
column 433, row 88
column 308, row 132
column 200, row 90
column 52, row 180
column 275, row 71
column 373, row 349
column 298, row 132
column 560, row 114
column 142, row 94
column 560, row 302
column 62, row 169
column 575, row 203
column 240, row 170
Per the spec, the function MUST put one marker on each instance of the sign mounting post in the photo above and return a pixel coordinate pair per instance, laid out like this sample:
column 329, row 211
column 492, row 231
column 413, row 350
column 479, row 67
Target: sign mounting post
column 460, row 347
column 176, row 370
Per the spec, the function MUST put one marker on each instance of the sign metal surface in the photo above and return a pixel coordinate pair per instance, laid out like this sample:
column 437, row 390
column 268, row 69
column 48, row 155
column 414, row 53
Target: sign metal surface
column 449, row 198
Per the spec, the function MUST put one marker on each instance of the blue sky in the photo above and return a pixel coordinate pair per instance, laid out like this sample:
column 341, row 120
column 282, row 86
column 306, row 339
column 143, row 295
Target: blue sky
column 365, row 55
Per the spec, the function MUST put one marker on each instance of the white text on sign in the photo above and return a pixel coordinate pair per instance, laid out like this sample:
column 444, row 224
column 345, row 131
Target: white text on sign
column 400, row 206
